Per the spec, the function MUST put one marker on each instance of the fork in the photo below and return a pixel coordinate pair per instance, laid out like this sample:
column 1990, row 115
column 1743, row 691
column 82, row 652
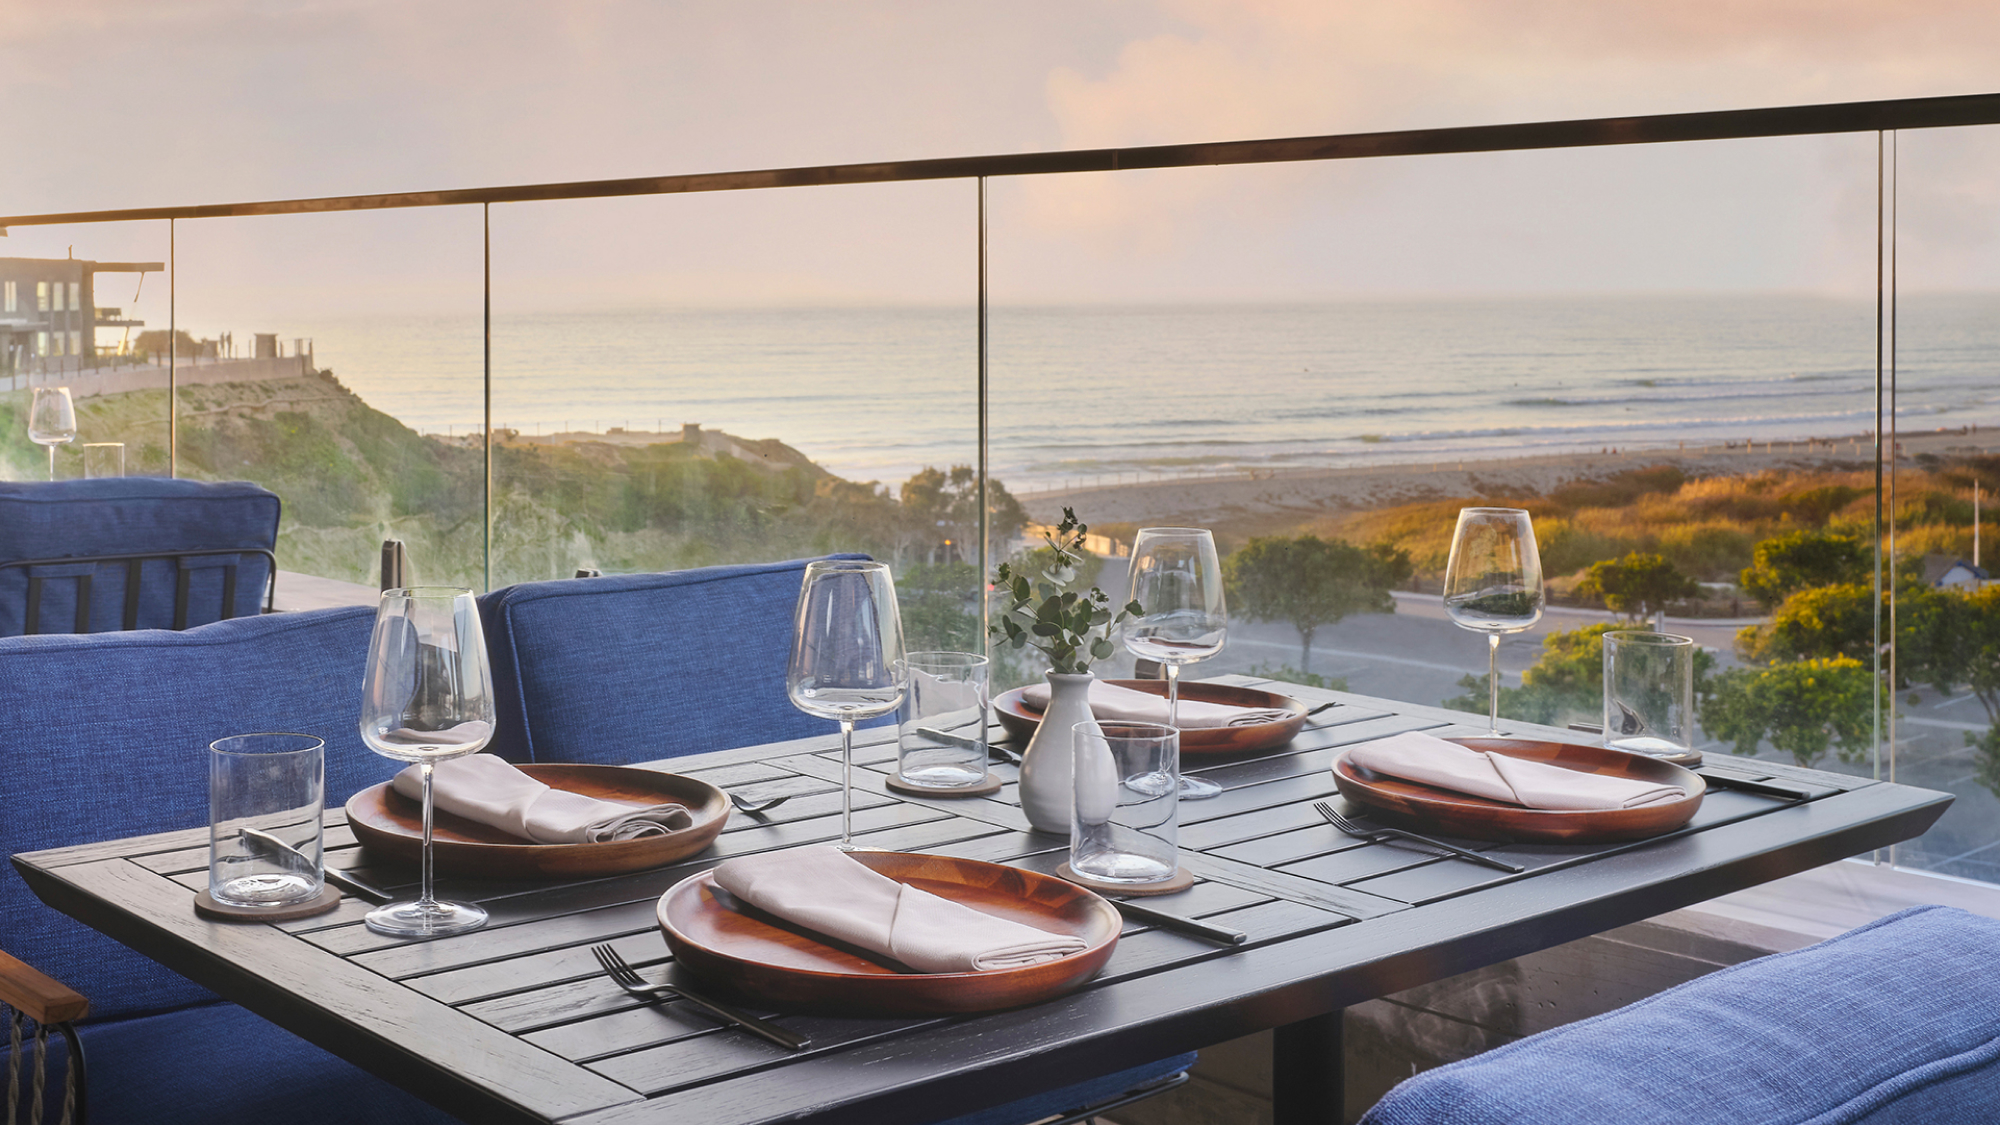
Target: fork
column 626, row 977
column 756, row 807
column 1363, row 832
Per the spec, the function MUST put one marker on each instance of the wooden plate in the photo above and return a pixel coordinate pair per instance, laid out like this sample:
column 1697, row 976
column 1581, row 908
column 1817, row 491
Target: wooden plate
column 1021, row 720
column 391, row 824
column 1422, row 808
column 717, row 937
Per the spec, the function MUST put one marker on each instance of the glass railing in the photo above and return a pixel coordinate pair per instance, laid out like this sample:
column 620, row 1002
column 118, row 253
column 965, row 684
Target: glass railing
column 1696, row 399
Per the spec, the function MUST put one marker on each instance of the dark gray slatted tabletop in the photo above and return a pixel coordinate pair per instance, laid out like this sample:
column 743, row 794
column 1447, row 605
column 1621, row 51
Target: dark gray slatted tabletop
column 516, row 1023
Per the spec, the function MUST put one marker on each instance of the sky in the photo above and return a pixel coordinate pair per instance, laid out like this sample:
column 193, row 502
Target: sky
column 155, row 102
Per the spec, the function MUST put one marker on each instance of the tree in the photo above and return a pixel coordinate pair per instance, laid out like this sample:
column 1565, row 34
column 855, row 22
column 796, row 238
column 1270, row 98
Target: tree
column 1802, row 708
column 944, row 506
column 1637, row 585
column 1800, row 560
column 1310, row 582
column 1818, row 623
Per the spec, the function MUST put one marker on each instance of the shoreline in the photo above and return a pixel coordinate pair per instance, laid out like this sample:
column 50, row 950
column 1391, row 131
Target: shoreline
column 1263, row 501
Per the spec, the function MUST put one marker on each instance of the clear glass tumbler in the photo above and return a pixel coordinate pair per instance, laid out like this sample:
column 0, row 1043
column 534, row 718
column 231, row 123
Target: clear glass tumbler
column 1125, row 819
column 941, row 725
column 266, row 800
column 103, row 459
column 1649, row 694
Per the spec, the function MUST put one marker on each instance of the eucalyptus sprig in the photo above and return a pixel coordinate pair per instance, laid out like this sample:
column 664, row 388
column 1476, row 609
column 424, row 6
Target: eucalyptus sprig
column 1070, row 628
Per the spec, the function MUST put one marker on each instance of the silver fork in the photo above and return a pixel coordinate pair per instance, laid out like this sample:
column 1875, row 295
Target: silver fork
column 628, row 978
column 1363, row 832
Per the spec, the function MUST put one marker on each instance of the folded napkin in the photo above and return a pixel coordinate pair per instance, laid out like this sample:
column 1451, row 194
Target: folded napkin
column 1109, row 701
column 489, row 790
column 829, row 892
column 1497, row 777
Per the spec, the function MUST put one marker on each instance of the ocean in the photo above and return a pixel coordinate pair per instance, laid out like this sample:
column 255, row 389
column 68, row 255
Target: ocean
column 1115, row 392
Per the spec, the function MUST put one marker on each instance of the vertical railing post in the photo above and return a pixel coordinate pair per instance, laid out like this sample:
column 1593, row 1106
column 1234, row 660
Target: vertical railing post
column 173, row 351
column 985, row 509
column 486, row 369
column 1875, row 631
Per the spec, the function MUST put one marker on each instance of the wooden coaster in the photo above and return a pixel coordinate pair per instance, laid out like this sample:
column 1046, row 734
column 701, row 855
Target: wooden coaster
column 207, row 906
column 990, row 785
column 1182, row 880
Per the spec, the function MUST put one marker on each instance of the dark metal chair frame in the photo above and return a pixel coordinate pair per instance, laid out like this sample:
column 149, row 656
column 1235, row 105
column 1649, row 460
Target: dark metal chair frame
column 134, row 565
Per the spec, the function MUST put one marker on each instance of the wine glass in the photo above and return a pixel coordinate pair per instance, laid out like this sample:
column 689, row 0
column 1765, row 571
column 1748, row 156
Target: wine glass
column 427, row 696
column 52, row 421
column 847, row 656
column 1177, row 581
column 1493, row 584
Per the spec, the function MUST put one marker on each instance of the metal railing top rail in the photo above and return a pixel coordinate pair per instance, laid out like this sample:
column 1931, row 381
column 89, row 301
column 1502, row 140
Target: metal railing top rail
column 1734, row 124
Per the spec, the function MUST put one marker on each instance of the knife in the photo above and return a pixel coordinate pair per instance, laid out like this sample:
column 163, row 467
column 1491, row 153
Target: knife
column 1162, row 919
column 354, row 884
column 997, row 751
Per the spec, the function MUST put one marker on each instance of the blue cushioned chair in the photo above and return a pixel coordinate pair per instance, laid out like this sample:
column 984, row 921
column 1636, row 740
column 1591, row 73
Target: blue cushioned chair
column 640, row 666
column 107, row 737
column 92, row 556
column 1895, row 1022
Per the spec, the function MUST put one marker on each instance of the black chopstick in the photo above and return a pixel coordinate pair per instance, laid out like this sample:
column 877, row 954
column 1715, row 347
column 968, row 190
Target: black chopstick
column 1162, row 919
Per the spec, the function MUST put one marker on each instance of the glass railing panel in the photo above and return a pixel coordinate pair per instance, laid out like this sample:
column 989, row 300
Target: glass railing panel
column 689, row 380
column 85, row 307
column 1947, row 321
column 333, row 353
column 1659, row 351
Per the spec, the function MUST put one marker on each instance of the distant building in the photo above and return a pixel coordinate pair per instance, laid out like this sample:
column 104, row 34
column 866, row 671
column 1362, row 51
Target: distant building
column 49, row 315
column 1948, row 573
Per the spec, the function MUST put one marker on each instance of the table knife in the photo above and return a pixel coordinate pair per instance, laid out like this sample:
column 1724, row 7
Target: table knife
column 354, row 884
column 1166, row 921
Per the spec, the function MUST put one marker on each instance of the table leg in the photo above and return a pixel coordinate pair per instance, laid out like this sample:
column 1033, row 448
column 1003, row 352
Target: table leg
column 1307, row 1071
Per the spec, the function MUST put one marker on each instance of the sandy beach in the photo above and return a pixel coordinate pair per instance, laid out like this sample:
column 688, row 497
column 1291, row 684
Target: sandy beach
column 1268, row 502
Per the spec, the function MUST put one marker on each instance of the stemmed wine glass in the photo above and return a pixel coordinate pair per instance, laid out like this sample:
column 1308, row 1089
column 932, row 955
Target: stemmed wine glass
column 847, row 656
column 427, row 696
column 52, row 421
column 1177, row 581
column 1493, row 584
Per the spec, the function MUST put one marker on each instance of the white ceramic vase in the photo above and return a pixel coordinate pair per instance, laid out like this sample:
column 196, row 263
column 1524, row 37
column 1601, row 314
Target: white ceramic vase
column 1046, row 765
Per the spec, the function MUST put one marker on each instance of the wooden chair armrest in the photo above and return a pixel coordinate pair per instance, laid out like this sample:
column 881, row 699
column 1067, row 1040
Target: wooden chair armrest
column 45, row 999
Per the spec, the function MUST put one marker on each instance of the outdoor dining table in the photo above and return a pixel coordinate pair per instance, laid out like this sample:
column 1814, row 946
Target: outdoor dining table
column 516, row 1022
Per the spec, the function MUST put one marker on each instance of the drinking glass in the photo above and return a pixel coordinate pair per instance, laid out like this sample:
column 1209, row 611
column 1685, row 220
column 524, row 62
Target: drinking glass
column 847, row 656
column 102, row 459
column 1649, row 695
column 266, row 802
column 941, row 724
column 1177, row 581
column 1493, row 584
column 52, row 421
column 427, row 696
column 1123, row 823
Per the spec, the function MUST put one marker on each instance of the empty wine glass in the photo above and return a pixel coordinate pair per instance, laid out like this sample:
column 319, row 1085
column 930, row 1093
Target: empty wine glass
column 1177, row 581
column 52, row 421
column 427, row 696
column 847, row 656
column 1493, row 584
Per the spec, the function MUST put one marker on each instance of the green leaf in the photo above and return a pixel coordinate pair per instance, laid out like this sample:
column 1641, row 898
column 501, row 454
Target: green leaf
column 1101, row 649
column 1046, row 629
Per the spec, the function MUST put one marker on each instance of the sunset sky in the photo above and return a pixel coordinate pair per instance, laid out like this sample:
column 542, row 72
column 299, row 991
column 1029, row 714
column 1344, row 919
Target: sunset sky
column 179, row 102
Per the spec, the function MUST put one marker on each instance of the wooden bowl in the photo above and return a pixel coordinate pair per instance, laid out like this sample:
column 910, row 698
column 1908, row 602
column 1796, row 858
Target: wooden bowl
column 1422, row 808
column 388, row 823
column 717, row 937
column 1020, row 720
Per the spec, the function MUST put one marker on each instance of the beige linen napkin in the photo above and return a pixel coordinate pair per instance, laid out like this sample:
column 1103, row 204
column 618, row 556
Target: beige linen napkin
column 1497, row 777
column 1109, row 701
column 828, row 892
column 489, row 790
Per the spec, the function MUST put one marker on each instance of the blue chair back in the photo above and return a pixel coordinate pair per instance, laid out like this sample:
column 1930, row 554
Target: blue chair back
column 635, row 667
column 107, row 736
column 133, row 516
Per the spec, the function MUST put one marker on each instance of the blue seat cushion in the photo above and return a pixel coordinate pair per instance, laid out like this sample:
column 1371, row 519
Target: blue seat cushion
column 1895, row 1022
column 107, row 737
column 634, row 667
column 1078, row 1096
column 127, row 516
column 219, row 1064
